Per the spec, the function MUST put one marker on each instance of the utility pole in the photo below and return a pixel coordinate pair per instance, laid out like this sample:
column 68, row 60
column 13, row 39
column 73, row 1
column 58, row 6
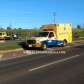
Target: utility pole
column 54, row 17
column 54, row 20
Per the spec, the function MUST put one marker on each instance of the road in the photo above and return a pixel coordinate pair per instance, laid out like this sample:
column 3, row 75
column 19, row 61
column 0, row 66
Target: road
column 46, row 68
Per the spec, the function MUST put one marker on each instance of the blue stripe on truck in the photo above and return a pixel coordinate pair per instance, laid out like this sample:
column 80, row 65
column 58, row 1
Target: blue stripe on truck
column 52, row 42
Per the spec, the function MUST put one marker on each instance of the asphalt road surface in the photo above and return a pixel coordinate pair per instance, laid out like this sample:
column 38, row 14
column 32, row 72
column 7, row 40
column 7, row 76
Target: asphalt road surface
column 47, row 68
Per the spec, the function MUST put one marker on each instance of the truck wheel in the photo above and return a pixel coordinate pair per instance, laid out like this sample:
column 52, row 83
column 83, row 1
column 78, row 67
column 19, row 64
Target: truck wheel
column 44, row 47
column 65, row 43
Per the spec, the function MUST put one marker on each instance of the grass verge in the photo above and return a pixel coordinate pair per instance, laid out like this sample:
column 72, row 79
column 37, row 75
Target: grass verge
column 9, row 45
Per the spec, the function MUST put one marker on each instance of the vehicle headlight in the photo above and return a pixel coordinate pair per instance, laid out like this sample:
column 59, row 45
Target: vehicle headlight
column 38, row 41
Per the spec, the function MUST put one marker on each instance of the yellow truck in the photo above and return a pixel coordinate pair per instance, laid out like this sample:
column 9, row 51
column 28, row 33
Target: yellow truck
column 4, row 36
column 51, row 35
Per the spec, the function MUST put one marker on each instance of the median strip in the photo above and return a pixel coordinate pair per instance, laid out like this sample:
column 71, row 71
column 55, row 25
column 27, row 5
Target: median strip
column 78, row 41
column 9, row 51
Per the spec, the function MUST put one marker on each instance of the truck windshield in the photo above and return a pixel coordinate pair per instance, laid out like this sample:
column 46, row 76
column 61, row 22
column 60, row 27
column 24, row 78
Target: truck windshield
column 42, row 34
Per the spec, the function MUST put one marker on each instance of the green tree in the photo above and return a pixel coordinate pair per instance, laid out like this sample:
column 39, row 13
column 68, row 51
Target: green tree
column 78, row 26
column 9, row 28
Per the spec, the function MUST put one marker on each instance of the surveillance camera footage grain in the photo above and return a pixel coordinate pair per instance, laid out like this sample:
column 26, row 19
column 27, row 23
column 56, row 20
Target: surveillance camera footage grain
column 41, row 41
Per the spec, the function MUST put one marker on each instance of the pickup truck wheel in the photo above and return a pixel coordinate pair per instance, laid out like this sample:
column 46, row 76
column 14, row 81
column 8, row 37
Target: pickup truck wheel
column 65, row 43
column 44, row 46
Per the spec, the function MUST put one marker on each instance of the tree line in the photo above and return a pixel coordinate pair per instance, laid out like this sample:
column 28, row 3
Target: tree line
column 20, row 32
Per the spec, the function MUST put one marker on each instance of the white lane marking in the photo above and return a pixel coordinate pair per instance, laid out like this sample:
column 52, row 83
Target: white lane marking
column 30, row 52
column 54, row 62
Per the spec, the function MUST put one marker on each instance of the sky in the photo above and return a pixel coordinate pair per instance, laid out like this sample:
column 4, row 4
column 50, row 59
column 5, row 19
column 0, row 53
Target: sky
column 34, row 13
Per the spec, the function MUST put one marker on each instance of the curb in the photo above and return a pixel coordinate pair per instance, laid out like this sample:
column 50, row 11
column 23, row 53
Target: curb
column 78, row 41
column 9, row 51
column 1, row 55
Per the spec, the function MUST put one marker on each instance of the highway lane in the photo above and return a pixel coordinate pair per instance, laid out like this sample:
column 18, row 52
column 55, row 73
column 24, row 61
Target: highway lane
column 65, row 68
column 70, row 72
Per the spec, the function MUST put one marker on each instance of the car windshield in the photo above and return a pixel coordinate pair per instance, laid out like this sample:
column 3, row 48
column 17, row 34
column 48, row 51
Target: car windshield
column 42, row 34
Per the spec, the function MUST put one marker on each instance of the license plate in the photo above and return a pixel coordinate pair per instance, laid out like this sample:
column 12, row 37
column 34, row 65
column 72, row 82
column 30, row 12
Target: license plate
column 30, row 45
